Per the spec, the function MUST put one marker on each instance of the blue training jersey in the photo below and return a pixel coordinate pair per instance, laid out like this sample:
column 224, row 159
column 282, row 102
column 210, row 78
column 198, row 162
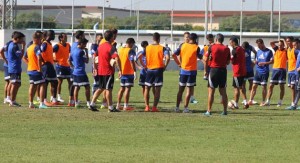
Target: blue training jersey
column 248, row 59
column 263, row 56
column 14, row 58
column 297, row 62
column 78, row 59
column 5, row 48
column 141, row 54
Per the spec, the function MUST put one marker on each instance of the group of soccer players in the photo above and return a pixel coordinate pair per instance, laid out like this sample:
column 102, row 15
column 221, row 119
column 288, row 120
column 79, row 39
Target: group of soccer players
column 47, row 63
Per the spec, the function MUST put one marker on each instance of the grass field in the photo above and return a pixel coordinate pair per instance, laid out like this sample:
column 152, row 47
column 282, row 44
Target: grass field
column 259, row 134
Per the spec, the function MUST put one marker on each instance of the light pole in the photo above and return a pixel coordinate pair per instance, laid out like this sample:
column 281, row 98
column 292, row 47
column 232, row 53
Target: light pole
column 271, row 17
column 138, row 21
column 279, row 20
column 210, row 15
column 103, row 16
column 172, row 13
column 72, row 20
column 241, row 20
column 206, row 25
column 42, row 13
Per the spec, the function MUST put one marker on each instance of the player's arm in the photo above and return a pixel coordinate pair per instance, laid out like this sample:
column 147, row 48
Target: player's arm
column 114, row 55
column 70, row 61
column 132, row 59
column 2, row 55
column 23, row 45
column 175, row 56
column 141, row 59
column 55, row 50
column 206, row 59
column 167, row 58
column 273, row 45
column 86, row 55
column 233, row 56
column 25, row 58
column 228, row 55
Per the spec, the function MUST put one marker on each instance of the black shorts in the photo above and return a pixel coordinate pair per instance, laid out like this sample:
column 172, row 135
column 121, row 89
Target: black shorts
column 127, row 81
column 6, row 74
column 15, row 77
column 80, row 80
column 49, row 72
column 187, row 80
column 217, row 78
column 249, row 76
column 142, row 79
column 36, row 79
column 106, row 82
column 155, row 77
column 237, row 82
column 63, row 72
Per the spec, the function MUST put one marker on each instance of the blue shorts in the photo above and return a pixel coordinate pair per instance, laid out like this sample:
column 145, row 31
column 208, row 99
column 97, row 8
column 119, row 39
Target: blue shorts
column 6, row 74
column 36, row 79
column 155, row 77
column 15, row 77
column 278, row 76
column 187, row 80
column 63, row 72
column 80, row 80
column 142, row 79
column 249, row 76
column 49, row 72
column 127, row 81
column 261, row 79
column 291, row 78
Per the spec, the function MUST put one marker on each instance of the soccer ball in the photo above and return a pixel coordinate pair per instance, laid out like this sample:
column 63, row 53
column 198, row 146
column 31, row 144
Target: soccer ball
column 112, row 62
column 230, row 104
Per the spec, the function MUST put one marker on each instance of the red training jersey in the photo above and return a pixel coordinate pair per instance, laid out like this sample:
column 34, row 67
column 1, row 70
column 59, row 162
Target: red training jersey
column 219, row 55
column 106, row 52
column 238, row 60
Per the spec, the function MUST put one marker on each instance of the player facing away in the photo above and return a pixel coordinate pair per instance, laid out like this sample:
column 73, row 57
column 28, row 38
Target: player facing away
column 296, row 46
column 292, row 58
column 250, row 63
column 61, row 55
column 188, row 53
column 48, row 68
column 7, row 85
column 219, row 57
column 34, row 70
column 155, row 55
column 279, row 71
column 210, row 39
column 238, row 61
column 14, row 58
column 127, row 57
column 77, row 60
column 94, row 54
column 106, row 52
column 264, row 58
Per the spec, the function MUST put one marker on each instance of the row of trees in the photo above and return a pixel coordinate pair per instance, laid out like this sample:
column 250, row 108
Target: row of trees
column 255, row 23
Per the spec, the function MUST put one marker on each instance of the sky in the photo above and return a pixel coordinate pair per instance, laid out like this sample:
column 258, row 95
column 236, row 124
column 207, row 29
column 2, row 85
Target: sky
column 249, row 5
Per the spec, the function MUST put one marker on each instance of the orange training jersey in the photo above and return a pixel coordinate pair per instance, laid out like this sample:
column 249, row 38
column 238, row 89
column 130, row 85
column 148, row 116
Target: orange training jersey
column 114, row 43
column 155, row 56
column 280, row 59
column 188, row 55
column 48, row 54
column 291, row 59
column 126, row 57
column 62, row 54
column 32, row 51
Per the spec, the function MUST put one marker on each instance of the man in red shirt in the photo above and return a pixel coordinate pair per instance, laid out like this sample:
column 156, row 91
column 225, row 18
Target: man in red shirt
column 219, row 57
column 238, row 61
column 106, row 71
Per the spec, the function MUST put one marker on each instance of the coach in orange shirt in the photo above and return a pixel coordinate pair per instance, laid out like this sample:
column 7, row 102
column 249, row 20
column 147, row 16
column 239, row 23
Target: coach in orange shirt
column 155, row 65
column 188, row 53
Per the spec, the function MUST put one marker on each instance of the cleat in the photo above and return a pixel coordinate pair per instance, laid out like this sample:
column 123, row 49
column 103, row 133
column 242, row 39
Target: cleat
column 291, row 108
column 128, row 109
column 254, row 102
column 103, row 107
column 186, row 111
column 60, row 100
column 207, row 113
column 177, row 110
column 71, row 105
column 298, row 108
column 113, row 110
column 279, row 105
column 55, row 103
column 224, row 113
column 154, row 109
column 48, row 103
column 14, row 104
column 246, row 106
column 147, row 109
column 32, row 106
column 194, row 101
column 43, row 106
column 264, row 104
column 93, row 108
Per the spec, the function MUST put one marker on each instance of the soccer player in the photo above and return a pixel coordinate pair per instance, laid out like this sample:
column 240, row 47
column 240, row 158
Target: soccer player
column 34, row 60
column 238, row 61
column 127, row 56
column 6, row 74
column 48, row 68
column 106, row 52
column 264, row 58
column 210, row 39
column 296, row 46
column 94, row 52
column 155, row 54
column 188, row 53
column 279, row 70
column 61, row 56
column 249, row 67
column 292, row 58
column 219, row 57
column 77, row 60
column 14, row 58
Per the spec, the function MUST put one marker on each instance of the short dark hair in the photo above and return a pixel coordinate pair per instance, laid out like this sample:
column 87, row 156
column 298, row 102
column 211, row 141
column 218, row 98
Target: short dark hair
column 144, row 44
column 246, row 45
column 12, row 35
column 130, row 41
column 186, row 33
column 296, row 40
column 83, row 41
column 37, row 35
column 114, row 31
column 260, row 41
column 194, row 37
column 290, row 37
column 108, row 35
column 234, row 39
column 50, row 32
column 281, row 41
column 220, row 37
column 156, row 36
column 79, row 34
column 61, row 35
column 209, row 36
column 18, row 35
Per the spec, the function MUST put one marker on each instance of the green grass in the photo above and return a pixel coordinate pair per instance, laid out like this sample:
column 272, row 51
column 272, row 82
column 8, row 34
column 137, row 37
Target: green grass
column 259, row 134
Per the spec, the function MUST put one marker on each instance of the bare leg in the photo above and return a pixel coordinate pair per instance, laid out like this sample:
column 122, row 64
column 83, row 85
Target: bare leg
column 282, row 91
column 179, row 95
column 146, row 95
column 32, row 90
column 224, row 97
column 156, row 96
column 120, row 95
column 211, row 94
column 14, row 90
column 127, row 95
column 87, row 93
column 264, row 92
column 189, row 93
column 253, row 91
